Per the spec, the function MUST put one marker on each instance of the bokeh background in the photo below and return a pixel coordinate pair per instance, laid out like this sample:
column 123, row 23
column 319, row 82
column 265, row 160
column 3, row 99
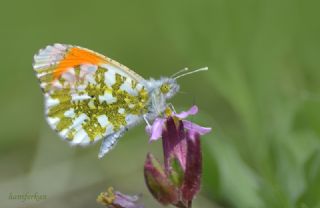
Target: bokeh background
column 261, row 95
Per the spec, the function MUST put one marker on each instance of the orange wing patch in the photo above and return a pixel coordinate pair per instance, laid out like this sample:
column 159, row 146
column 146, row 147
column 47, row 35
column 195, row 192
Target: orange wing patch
column 75, row 57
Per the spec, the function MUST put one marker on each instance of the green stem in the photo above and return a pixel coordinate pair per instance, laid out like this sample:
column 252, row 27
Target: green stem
column 190, row 204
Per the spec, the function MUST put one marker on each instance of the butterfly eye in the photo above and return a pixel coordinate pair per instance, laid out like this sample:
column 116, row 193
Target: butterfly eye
column 165, row 88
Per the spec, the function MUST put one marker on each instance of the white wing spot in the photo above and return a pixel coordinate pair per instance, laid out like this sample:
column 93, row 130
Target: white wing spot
column 107, row 97
column 77, row 97
column 109, row 130
column 110, row 77
column 78, row 121
column 139, row 87
column 121, row 110
column 43, row 85
column 103, row 120
column 87, row 73
column 64, row 133
column 126, row 86
column 53, row 121
column 80, row 137
column 52, row 102
column 69, row 113
column 56, row 85
column 91, row 104
column 87, row 68
column 69, row 75
column 114, row 70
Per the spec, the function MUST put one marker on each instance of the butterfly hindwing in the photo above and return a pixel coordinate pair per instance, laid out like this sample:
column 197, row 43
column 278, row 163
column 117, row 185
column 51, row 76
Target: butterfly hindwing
column 88, row 96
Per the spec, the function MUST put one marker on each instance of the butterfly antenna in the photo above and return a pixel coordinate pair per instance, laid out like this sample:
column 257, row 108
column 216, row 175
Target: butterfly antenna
column 178, row 72
column 191, row 72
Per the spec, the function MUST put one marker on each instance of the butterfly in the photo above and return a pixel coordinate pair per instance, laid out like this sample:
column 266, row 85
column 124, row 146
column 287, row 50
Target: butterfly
column 89, row 97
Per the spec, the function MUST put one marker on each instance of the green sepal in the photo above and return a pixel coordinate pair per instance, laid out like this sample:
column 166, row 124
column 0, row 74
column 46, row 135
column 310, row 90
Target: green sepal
column 176, row 173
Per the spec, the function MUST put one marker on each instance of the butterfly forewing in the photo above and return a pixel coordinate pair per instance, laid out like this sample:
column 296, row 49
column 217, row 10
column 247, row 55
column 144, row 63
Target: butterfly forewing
column 88, row 96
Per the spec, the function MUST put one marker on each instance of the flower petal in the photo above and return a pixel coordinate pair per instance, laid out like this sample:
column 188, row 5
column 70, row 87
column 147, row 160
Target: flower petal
column 126, row 201
column 155, row 131
column 174, row 142
column 192, row 127
column 117, row 199
column 192, row 179
column 184, row 114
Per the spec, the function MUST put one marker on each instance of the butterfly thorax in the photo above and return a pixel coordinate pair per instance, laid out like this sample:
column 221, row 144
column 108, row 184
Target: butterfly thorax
column 159, row 92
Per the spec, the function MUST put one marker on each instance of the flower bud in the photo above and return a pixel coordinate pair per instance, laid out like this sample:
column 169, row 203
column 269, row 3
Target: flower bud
column 158, row 183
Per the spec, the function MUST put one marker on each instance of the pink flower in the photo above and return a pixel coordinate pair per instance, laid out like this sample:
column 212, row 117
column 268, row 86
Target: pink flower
column 116, row 199
column 178, row 180
column 155, row 130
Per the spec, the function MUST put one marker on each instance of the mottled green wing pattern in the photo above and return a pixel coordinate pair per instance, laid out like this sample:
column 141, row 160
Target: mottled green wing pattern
column 89, row 102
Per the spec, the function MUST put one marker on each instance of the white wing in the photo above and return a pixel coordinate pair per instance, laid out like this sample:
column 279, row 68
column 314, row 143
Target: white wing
column 88, row 96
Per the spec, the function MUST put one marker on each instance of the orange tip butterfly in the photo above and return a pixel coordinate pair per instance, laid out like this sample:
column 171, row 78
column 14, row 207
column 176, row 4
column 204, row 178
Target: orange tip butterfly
column 89, row 97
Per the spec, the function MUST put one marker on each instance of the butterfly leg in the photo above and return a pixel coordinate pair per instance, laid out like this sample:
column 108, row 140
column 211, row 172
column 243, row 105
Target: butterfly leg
column 172, row 107
column 110, row 141
column 146, row 120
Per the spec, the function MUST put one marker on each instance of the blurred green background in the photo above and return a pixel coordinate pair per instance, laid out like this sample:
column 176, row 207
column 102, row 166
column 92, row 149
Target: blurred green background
column 261, row 95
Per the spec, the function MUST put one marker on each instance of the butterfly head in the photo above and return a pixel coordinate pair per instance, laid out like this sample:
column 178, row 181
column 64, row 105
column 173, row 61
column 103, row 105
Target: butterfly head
column 168, row 87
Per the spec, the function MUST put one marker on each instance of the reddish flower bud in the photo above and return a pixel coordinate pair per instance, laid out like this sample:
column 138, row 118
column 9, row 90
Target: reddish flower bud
column 158, row 183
